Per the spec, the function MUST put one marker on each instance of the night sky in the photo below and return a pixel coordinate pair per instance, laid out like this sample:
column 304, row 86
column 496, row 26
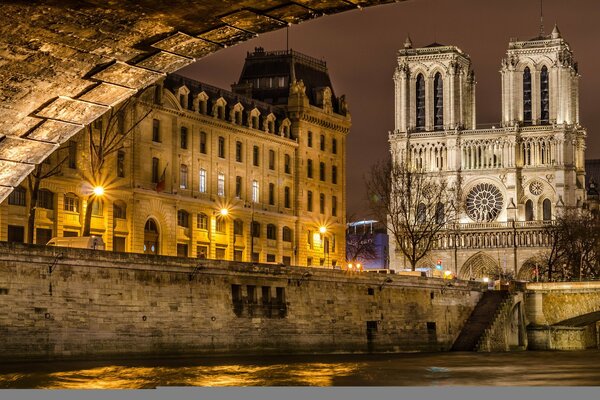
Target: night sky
column 360, row 49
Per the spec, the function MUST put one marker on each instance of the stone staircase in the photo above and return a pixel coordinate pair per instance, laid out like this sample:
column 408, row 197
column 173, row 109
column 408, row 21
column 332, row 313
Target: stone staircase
column 480, row 319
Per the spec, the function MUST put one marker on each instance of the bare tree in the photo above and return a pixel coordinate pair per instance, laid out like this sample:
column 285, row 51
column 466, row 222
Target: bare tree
column 550, row 259
column 104, row 141
column 34, row 180
column 579, row 240
column 360, row 244
column 417, row 206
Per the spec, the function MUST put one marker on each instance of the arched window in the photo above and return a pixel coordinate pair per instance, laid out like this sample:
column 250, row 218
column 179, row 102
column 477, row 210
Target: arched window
column 544, row 96
column 438, row 102
column 255, row 229
column 221, row 225
column 420, row 102
column 119, row 209
column 529, row 210
column 151, row 237
column 287, row 234
column 527, row 96
column 439, row 213
column 421, row 213
column 547, row 210
column 271, row 232
column 183, row 176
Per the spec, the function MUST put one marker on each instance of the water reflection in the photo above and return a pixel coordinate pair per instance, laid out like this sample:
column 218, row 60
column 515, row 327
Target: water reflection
column 502, row 369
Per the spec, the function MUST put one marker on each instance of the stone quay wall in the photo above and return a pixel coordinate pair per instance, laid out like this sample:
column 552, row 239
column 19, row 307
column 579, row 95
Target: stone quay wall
column 69, row 303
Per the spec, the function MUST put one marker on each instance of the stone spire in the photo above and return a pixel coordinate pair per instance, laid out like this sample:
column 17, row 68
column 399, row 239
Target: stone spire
column 555, row 32
column 408, row 43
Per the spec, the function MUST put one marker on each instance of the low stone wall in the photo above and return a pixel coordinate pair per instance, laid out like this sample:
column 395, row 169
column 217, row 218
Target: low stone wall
column 562, row 337
column 69, row 303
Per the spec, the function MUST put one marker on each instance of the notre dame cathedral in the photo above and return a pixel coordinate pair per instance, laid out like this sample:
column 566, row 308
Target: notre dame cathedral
column 516, row 175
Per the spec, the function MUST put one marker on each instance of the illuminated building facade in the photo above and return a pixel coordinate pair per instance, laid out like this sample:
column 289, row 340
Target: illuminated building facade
column 253, row 174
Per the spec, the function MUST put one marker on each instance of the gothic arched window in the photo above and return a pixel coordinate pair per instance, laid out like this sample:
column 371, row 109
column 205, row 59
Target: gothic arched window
column 527, row 96
column 420, row 100
column 547, row 210
column 544, row 96
column 529, row 210
column 438, row 102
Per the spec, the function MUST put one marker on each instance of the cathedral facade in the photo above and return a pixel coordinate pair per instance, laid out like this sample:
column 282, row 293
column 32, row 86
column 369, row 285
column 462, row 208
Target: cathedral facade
column 515, row 176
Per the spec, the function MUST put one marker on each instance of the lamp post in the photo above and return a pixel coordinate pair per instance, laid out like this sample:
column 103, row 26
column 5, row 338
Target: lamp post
column 252, row 232
column 223, row 212
column 323, row 231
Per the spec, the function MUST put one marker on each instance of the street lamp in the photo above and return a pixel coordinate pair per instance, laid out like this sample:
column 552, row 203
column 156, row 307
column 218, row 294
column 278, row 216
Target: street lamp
column 323, row 231
column 98, row 190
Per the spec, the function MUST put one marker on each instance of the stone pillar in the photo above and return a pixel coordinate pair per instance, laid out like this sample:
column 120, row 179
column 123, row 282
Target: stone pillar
column 534, row 311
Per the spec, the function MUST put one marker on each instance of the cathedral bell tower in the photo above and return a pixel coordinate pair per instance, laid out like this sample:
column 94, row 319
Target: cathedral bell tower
column 434, row 89
column 540, row 82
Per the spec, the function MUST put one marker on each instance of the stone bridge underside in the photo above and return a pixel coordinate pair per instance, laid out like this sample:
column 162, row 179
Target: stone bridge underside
column 64, row 63
column 566, row 303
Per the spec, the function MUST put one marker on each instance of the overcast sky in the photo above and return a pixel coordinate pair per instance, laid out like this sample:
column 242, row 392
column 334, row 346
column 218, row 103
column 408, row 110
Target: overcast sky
column 360, row 48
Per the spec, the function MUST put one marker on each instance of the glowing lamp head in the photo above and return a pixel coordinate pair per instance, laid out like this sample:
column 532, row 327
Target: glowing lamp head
column 224, row 212
column 350, row 266
column 486, row 279
column 447, row 273
column 98, row 190
column 323, row 229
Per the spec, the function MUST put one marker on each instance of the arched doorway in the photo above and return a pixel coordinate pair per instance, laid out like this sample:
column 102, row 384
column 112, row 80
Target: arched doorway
column 479, row 266
column 151, row 237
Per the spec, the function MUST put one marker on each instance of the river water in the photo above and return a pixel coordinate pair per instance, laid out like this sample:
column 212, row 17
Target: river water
column 526, row 368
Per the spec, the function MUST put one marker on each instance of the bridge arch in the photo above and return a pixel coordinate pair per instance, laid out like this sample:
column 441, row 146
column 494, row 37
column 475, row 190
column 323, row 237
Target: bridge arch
column 480, row 265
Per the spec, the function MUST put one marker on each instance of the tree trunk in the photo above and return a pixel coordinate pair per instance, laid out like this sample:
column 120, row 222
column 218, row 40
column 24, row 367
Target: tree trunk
column 34, row 189
column 87, row 222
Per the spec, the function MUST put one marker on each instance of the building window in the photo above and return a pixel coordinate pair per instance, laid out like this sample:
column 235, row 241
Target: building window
column 334, row 206
column 45, row 199
column 527, row 96
column 183, row 176
column 238, row 151
column 271, row 126
column 309, row 168
column 203, row 142
column 183, row 218
column 16, row 234
column 221, row 224
column 183, row 137
column 271, row 159
column 202, row 182
column 238, row 227
column 255, row 228
column 202, row 221
column 221, row 147
column 309, row 139
column 202, row 252
column 182, row 250
column 529, row 210
column 182, row 101
column 154, row 170
column 287, row 166
column 287, row 234
column 544, row 96
column 287, row 196
column 547, row 210
column 72, row 154
column 334, row 146
column 438, row 102
column 271, row 194
column 18, row 197
column 255, row 191
column 420, row 102
column 322, row 203
column 322, row 143
column 220, row 253
column 309, row 201
column 156, row 130
column 254, row 122
column 238, row 187
column 271, row 232
column 71, row 203
column 238, row 117
column 310, row 245
column 333, row 174
column 119, row 210
column 255, row 156
column 121, row 164
column 221, row 184
column 322, row 171
column 97, row 208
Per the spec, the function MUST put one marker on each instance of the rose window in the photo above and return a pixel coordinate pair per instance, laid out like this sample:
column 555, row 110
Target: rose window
column 536, row 188
column 484, row 202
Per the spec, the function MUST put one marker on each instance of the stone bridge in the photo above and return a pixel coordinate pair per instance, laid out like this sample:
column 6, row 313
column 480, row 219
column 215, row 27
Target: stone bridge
column 64, row 63
column 563, row 315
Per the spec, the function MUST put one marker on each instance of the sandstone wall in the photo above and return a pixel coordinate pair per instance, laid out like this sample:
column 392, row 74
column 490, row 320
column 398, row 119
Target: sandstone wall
column 98, row 304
